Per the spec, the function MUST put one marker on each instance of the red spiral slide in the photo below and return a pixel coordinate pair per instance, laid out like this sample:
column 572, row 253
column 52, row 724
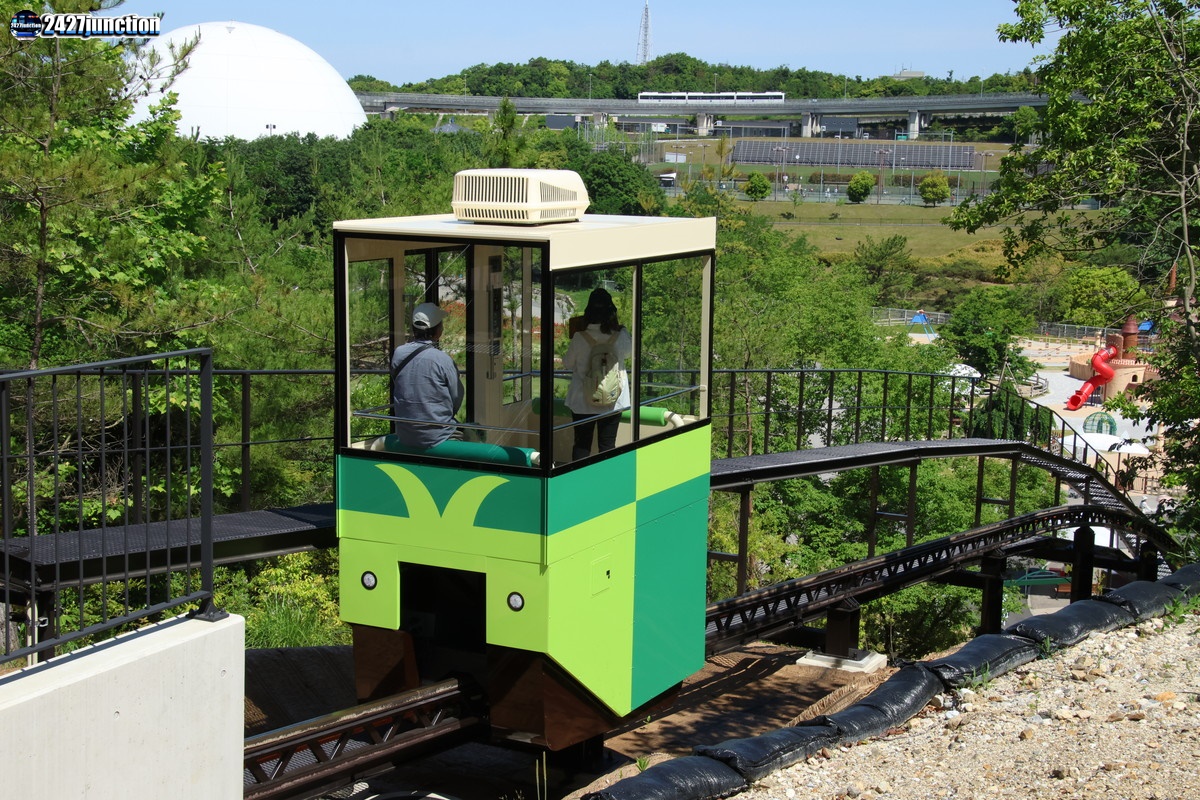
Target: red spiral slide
column 1104, row 374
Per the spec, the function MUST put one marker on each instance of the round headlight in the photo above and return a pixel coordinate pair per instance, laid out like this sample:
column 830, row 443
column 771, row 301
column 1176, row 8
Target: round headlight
column 515, row 601
column 369, row 581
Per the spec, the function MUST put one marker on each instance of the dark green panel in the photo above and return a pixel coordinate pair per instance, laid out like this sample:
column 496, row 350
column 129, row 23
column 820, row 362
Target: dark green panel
column 669, row 594
column 363, row 487
column 514, row 505
column 590, row 491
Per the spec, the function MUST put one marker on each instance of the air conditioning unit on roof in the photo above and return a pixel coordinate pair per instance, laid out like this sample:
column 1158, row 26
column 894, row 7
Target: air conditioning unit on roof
column 519, row 196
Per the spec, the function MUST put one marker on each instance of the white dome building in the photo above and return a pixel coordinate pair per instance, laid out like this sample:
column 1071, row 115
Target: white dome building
column 248, row 81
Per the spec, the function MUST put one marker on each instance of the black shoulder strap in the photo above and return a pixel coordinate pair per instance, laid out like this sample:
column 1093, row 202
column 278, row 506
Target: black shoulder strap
column 408, row 358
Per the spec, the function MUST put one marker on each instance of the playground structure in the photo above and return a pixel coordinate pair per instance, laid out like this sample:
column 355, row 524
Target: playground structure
column 922, row 319
column 1103, row 373
column 1112, row 369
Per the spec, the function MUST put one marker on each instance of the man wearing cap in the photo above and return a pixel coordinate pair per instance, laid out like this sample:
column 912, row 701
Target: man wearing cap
column 425, row 383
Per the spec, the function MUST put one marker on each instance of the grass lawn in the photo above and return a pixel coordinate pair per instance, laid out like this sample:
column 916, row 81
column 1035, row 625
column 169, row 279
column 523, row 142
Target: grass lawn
column 839, row 228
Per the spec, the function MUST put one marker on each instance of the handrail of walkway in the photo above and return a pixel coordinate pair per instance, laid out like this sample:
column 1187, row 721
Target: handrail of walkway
column 114, row 458
column 113, row 446
column 777, row 410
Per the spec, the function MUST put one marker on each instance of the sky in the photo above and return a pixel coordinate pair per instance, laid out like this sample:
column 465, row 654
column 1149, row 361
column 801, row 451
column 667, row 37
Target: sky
column 402, row 41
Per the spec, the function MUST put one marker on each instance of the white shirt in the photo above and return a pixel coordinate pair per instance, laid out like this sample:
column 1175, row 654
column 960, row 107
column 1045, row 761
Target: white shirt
column 577, row 357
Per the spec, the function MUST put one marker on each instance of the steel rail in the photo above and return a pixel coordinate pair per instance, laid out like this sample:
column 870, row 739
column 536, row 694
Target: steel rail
column 324, row 752
column 755, row 615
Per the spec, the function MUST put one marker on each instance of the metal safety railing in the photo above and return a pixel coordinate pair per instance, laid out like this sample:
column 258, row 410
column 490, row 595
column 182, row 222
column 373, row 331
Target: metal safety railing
column 96, row 462
column 102, row 452
column 772, row 411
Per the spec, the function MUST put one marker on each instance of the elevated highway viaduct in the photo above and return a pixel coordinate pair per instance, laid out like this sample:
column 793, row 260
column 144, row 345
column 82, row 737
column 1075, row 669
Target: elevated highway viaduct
column 918, row 110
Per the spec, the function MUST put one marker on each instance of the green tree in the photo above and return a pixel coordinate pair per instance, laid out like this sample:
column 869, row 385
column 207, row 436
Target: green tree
column 504, row 140
column 860, row 186
column 934, row 188
column 95, row 214
column 615, row 184
column 1098, row 296
column 1123, row 89
column 757, row 187
column 888, row 263
column 984, row 330
column 1021, row 125
column 369, row 83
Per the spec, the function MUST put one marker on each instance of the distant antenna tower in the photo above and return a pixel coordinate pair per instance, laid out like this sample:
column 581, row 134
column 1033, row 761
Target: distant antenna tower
column 643, row 54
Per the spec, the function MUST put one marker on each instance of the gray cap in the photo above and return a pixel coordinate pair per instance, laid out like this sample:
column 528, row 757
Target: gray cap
column 427, row 315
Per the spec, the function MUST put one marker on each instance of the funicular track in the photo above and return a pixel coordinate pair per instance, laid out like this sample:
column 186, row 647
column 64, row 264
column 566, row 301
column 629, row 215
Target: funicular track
column 778, row 608
column 319, row 754
column 327, row 751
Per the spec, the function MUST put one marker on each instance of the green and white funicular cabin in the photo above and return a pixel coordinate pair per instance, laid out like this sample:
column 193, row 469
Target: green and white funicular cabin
column 572, row 590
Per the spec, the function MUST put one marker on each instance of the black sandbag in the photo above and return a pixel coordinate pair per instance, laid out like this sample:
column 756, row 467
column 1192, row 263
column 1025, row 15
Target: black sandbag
column 687, row 778
column 987, row 656
column 1185, row 579
column 1143, row 599
column 1071, row 624
column 758, row 756
column 902, row 696
column 859, row 722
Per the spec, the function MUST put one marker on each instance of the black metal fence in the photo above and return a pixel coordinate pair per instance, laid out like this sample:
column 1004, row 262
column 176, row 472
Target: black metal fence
column 771, row 411
column 90, row 454
column 95, row 459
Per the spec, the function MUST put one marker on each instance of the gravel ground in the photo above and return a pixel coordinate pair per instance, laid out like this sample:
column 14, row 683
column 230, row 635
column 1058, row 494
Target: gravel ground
column 1115, row 716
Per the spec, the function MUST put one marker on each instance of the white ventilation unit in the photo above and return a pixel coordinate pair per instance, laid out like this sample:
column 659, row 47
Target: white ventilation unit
column 519, row 196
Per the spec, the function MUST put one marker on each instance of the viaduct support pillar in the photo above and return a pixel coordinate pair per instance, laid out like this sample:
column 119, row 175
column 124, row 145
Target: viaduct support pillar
column 991, row 606
column 704, row 124
column 914, row 125
column 809, row 125
column 841, row 628
column 1084, row 563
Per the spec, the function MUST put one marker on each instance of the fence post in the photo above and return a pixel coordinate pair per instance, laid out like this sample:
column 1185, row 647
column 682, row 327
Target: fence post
column 245, row 441
column 208, row 610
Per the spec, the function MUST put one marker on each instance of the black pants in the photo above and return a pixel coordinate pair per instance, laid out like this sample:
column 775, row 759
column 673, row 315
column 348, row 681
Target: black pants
column 606, row 433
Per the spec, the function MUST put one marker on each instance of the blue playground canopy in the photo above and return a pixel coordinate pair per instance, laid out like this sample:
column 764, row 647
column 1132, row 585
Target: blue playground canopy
column 922, row 319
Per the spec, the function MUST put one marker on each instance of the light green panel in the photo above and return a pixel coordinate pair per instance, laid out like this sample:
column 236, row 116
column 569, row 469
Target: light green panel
column 589, row 533
column 379, row 607
column 468, row 541
column 525, row 629
column 591, row 605
column 669, row 462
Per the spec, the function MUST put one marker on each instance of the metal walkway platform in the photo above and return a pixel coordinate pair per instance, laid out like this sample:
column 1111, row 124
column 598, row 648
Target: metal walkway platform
column 85, row 557
column 732, row 474
column 153, row 548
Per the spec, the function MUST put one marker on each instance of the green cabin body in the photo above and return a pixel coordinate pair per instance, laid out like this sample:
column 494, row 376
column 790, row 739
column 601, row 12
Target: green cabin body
column 571, row 591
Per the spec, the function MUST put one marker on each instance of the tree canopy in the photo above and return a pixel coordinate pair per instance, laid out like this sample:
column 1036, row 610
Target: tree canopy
column 94, row 213
column 1123, row 91
column 672, row 72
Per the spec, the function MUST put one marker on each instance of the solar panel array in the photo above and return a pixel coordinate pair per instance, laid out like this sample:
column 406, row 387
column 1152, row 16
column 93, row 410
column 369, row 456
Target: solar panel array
column 856, row 154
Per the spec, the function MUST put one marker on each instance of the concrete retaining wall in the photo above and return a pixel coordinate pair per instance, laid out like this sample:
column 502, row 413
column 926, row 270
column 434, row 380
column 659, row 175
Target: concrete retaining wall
column 156, row 713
